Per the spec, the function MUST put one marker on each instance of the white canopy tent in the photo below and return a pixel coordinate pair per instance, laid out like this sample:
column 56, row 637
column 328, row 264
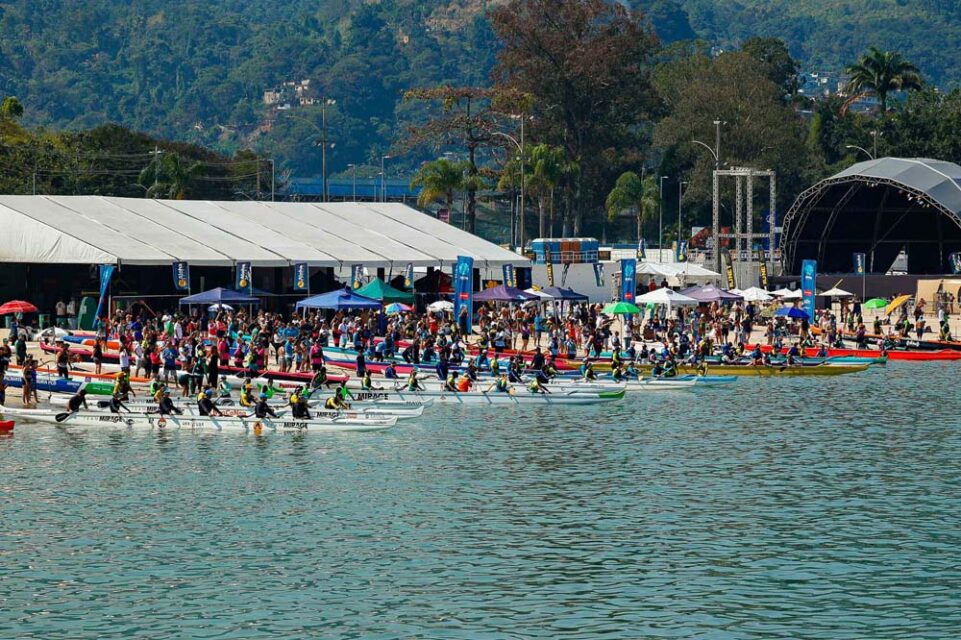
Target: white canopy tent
column 667, row 297
column 100, row 230
column 834, row 292
column 755, row 294
column 793, row 295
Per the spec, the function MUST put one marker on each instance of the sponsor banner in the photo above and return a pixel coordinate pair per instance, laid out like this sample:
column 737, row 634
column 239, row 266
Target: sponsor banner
column 550, row 274
column 106, row 274
column 409, row 276
column 181, row 271
column 955, row 259
column 731, row 282
column 628, row 280
column 809, row 272
column 680, row 249
column 301, row 277
column 509, row 276
column 641, row 249
column 598, row 274
column 859, row 262
column 243, row 282
column 763, row 271
column 464, row 289
column 356, row 276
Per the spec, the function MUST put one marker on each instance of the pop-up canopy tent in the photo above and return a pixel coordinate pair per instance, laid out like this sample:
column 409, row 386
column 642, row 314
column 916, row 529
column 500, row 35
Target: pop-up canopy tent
column 710, row 293
column 560, row 293
column 503, row 293
column 380, row 290
column 220, row 295
column 339, row 299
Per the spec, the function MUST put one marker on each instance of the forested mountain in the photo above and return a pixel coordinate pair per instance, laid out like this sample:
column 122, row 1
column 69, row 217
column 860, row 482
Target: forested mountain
column 197, row 70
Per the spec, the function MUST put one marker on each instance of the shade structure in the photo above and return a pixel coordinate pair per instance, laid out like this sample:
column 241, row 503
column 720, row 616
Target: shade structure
column 561, row 293
column 755, row 294
column 339, row 299
column 778, row 293
column 710, row 293
column 692, row 270
column 836, row 293
column 620, row 309
column 896, row 303
column 16, row 306
column 397, row 307
column 876, row 303
column 503, row 293
column 441, row 305
column 793, row 295
column 668, row 296
column 220, row 295
column 792, row 312
column 537, row 293
column 380, row 290
column 676, row 269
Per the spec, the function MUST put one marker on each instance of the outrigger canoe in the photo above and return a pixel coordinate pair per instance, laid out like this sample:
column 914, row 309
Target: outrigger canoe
column 257, row 426
column 520, row 395
column 782, row 370
column 894, row 354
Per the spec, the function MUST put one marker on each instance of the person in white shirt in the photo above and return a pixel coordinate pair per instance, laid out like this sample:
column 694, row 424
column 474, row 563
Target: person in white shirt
column 72, row 314
column 61, row 311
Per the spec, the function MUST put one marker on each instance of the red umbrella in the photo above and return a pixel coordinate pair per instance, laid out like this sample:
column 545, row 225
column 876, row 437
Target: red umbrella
column 16, row 306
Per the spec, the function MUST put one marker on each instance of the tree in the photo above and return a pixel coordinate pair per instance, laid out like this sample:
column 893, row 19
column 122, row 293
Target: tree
column 782, row 69
column 174, row 178
column 631, row 192
column 586, row 64
column 546, row 169
column 11, row 109
column 881, row 72
column 438, row 179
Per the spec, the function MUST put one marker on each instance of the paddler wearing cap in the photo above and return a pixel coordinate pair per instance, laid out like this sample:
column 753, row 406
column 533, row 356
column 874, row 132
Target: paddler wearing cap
column 413, row 383
column 263, row 410
column 121, row 387
column 205, row 403
column 298, row 404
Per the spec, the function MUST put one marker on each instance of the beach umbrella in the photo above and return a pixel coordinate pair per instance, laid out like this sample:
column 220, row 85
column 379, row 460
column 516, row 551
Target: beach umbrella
column 837, row 293
column 619, row 309
column 896, row 303
column 396, row 307
column 755, row 294
column 793, row 295
column 16, row 306
column 791, row 312
column 441, row 305
column 873, row 303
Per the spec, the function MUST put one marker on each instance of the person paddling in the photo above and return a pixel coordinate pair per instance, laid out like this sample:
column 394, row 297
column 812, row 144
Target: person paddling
column 205, row 404
column 77, row 400
column 263, row 410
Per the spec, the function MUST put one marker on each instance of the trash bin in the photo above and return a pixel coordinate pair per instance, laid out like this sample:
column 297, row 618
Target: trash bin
column 44, row 320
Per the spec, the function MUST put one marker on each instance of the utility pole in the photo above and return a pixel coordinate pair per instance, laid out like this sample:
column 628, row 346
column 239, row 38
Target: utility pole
column 523, row 205
column 323, row 111
column 156, row 169
column 660, row 216
column 273, row 179
column 383, row 177
column 353, row 179
column 680, row 198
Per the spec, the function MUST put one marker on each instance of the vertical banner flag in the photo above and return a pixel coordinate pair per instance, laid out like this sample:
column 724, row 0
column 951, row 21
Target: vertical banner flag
column 243, row 283
column 509, row 279
column 731, row 283
column 409, row 276
column 955, row 259
column 762, row 269
column 181, row 276
column 809, row 272
column 356, row 276
column 301, row 277
column 550, row 274
column 859, row 264
column 628, row 280
column 641, row 249
column 106, row 273
column 464, row 289
column 680, row 251
column 599, row 274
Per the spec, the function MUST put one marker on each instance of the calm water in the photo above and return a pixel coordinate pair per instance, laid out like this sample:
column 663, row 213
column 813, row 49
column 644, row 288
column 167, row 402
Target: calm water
column 762, row 511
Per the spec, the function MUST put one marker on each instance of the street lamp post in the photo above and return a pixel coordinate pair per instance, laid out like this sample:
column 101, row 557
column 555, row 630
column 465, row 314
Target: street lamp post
column 353, row 179
column 660, row 216
column 383, row 178
column 520, row 148
column 680, row 198
column 326, row 102
column 862, row 149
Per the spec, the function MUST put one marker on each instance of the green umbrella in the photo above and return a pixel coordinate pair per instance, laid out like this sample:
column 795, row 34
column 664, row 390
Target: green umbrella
column 876, row 303
column 620, row 308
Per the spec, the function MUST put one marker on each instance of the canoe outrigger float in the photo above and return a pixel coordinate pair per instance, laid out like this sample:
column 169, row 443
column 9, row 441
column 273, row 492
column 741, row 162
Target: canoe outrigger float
column 520, row 395
column 94, row 419
column 774, row 370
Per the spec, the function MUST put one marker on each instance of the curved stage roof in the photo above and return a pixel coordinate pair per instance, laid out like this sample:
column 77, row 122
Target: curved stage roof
column 877, row 208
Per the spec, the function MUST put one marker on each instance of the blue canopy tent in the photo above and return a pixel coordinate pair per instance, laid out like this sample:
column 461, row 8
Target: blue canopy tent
column 220, row 295
column 340, row 299
column 560, row 293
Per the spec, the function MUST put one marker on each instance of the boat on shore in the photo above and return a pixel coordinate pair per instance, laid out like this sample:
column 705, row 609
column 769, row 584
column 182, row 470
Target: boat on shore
column 772, row 370
column 894, row 354
column 96, row 419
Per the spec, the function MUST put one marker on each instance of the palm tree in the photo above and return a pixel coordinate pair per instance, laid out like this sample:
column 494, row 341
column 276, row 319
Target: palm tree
column 546, row 168
column 881, row 72
column 631, row 192
column 171, row 178
column 438, row 179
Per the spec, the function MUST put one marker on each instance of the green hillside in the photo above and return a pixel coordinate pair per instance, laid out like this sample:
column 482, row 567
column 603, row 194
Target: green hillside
column 197, row 70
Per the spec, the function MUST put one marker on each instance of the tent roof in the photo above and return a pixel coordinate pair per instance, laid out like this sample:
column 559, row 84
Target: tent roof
column 939, row 180
column 339, row 299
column 95, row 229
column 380, row 290
column 220, row 295
column 665, row 295
column 503, row 293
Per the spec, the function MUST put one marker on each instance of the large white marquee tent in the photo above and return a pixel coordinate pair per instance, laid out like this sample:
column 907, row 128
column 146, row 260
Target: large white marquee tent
column 132, row 231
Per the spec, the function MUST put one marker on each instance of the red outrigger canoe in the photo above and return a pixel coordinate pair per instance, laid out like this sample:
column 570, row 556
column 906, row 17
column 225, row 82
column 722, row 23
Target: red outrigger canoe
column 894, row 354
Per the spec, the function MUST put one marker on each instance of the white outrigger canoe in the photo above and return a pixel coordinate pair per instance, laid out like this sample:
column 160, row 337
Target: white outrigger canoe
column 96, row 419
column 519, row 395
column 235, row 410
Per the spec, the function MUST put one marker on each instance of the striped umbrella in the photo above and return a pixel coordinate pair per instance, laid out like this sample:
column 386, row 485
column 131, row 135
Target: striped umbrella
column 16, row 306
column 396, row 307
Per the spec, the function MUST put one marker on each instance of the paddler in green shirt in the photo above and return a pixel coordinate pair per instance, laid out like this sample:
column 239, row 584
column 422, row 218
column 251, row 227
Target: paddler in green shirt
column 268, row 388
column 536, row 387
column 343, row 393
column 501, row 385
column 451, row 383
column 413, row 384
column 155, row 385
column 495, row 367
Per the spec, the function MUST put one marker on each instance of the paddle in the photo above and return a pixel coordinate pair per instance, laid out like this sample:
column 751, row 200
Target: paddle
column 60, row 417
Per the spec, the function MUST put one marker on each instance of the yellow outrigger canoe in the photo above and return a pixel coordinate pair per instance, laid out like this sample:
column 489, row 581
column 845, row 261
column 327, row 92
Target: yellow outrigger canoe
column 750, row 370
